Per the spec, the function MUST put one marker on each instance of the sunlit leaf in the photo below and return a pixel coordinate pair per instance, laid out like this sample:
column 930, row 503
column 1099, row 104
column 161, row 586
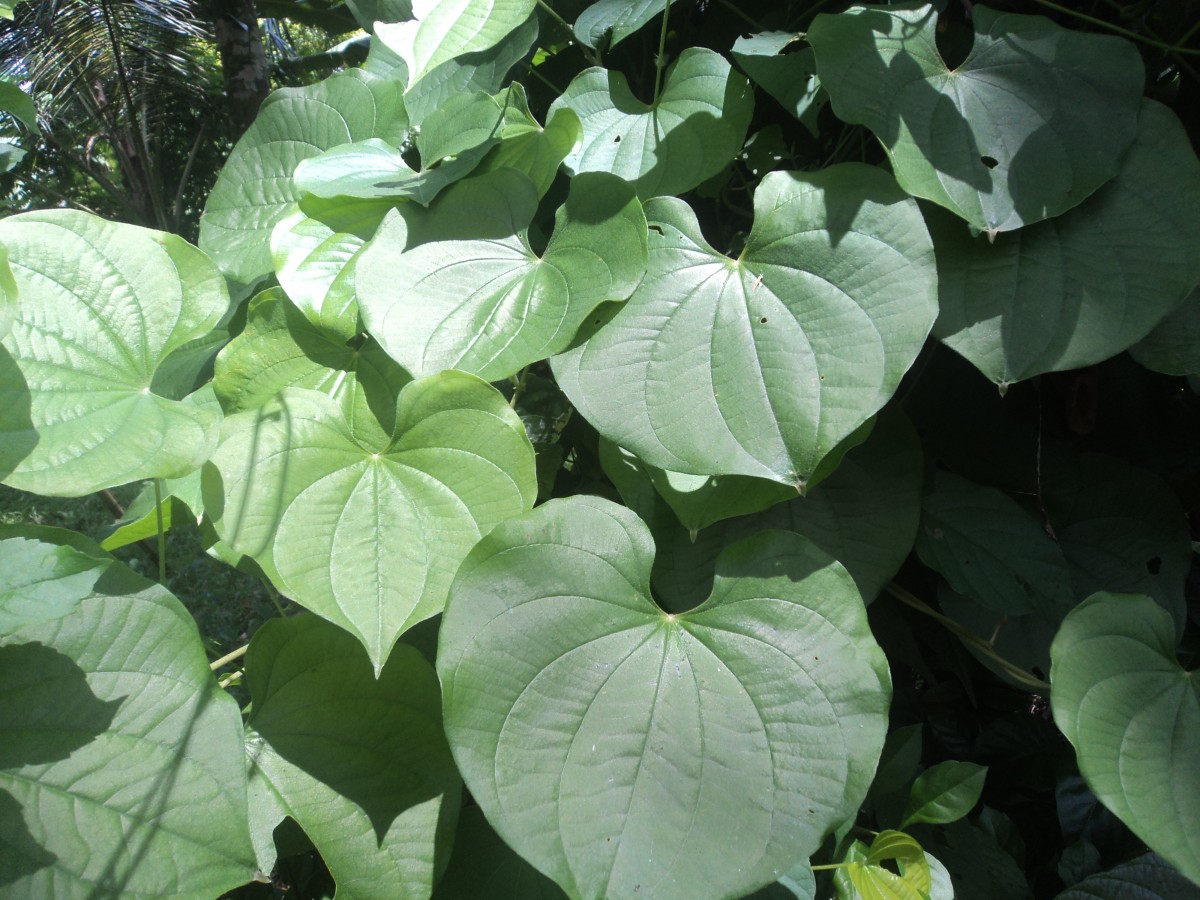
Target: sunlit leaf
column 315, row 266
column 606, row 23
column 944, row 793
column 1028, row 126
column 623, row 750
column 1133, row 716
column 103, row 306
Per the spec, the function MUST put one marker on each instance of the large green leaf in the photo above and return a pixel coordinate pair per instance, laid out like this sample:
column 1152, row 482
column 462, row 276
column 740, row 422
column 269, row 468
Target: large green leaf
column 1080, row 288
column 1173, row 346
column 1145, row 877
column 315, row 266
column 362, row 528
column 864, row 515
column 992, row 550
column 694, row 130
column 1133, row 716
column 606, row 23
column 46, row 572
column 1029, row 125
column 255, row 189
column 492, row 306
column 623, row 750
column 442, row 30
column 763, row 364
column 530, row 149
column 121, row 764
column 102, row 308
column 360, row 762
column 368, row 12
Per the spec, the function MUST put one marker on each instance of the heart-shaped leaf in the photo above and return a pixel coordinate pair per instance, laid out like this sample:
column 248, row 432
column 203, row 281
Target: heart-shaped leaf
column 315, row 266
column 359, row 762
column 530, row 149
column 103, row 307
column 1080, row 288
column 992, row 550
column 694, row 130
column 442, row 30
column 606, row 23
column 764, row 364
column 492, row 306
column 1028, row 126
column 864, row 515
column 868, row 876
column 364, row 529
column 122, row 771
column 1118, row 690
column 255, row 189
column 944, row 793
column 624, row 750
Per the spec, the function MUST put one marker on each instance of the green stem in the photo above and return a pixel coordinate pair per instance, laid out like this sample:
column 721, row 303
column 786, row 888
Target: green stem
column 591, row 55
column 1013, row 671
column 828, row 867
column 1124, row 32
column 273, row 595
column 229, row 657
column 519, row 388
column 162, row 536
column 662, row 50
column 229, row 679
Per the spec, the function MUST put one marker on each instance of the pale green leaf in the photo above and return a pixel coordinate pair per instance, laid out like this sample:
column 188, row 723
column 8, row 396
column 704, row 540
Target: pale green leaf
column 623, row 750
column 443, row 30
column 944, row 793
column 492, row 306
column 532, row 150
column 103, row 307
column 360, row 762
column 695, row 129
column 44, row 573
column 255, row 189
column 1028, row 126
column 121, row 764
column 362, row 529
column 315, row 266
column 1133, row 716
column 991, row 549
column 8, row 295
column 763, row 365
column 1173, row 346
column 1082, row 287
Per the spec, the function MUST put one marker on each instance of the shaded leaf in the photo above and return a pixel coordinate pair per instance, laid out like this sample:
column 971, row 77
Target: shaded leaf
column 485, row 866
column 1146, row 877
column 1028, row 126
column 606, row 23
column 1118, row 690
column 790, row 78
column 1173, row 345
column 944, row 793
column 359, row 762
column 584, row 719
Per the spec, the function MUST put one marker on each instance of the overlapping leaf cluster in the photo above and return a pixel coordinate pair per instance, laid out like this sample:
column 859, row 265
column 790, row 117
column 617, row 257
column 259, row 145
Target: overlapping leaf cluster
column 672, row 689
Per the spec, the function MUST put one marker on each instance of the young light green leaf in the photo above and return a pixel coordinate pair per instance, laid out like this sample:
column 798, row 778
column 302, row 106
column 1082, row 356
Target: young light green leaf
column 315, row 266
column 1082, row 287
column 1028, row 126
column 360, row 762
column 1173, row 346
column 362, row 529
column 584, row 718
column 694, row 130
column 442, row 30
column 763, row 365
column 485, row 866
column 492, row 306
column 944, row 793
column 1118, row 689
column 122, row 771
column 992, row 550
column 103, row 307
column 865, row 875
column 255, row 189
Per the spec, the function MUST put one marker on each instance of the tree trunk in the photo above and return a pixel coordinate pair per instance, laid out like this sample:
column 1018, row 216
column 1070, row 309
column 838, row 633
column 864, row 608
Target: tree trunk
column 243, row 60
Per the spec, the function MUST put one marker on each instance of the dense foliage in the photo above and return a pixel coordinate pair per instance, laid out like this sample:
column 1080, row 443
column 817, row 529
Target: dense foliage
column 696, row 444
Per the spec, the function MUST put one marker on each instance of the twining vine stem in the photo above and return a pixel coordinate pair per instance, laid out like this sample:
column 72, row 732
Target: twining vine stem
column 983, row 646
column 591, row 55
column 162, row 537
column 229, row 657
column 662, row 49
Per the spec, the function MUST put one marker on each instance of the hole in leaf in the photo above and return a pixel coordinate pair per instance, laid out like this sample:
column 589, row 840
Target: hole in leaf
column 617, row 139
column 1154, row 566
column 763, row 320
column 990, row 161
column 657, row 229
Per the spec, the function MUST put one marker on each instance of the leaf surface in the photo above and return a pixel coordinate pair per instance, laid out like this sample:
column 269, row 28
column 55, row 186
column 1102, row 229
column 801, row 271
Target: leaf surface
column 944, row 793
column 359, row 762
column 624, row 750
column 364, row 529
column 1028, row 126
column 693, row 131
column 315, row 266
column 103, row 307
column 1173, row 345
column 1082, row 287
column 606, row 23
column 492, row 306
column 762, row 365
column 1133, row 716
column 1146, row 877
column 121, row 763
